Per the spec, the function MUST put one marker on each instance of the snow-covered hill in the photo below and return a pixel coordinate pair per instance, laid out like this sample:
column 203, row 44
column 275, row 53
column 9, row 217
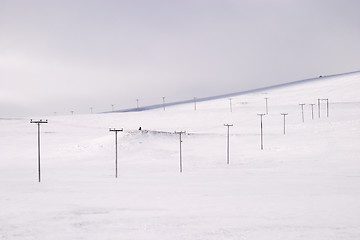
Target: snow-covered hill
column 303, row 185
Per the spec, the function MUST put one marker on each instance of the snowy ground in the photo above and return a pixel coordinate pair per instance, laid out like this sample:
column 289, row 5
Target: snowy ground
column 303, row 185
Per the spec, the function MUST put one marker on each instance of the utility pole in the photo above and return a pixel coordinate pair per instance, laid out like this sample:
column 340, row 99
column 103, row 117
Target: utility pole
column 318, row 100
column 137, row 104
column 327, row 106
column 116, row 148
column 230, row 104
column 228, row 142
column 261, row 129
column 302, row 110
column 163, row 102
column 91, row 110
column 312, row 110
column 112, row 107
column 266, row 104
column 284, row 114
column 195, row 103
column 38, row 123
column 180, row 133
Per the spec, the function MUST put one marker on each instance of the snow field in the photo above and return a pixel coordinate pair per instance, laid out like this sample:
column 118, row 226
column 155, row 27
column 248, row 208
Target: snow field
column 304, row 185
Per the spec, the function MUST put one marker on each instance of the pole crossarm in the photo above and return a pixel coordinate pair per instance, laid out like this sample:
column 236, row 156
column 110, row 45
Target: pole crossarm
column 39, row 121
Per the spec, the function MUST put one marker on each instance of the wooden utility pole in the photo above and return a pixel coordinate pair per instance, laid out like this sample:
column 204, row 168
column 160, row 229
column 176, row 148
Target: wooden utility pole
column 163, row 102
column 180, row 134
column 302, row 110
column 261, row 129
column 38, row 123
column 327, row 106
column 266, row 105
column 312, row 110
column 116, row 149
column 228, row 142
column 230, row 104
column 284, row 114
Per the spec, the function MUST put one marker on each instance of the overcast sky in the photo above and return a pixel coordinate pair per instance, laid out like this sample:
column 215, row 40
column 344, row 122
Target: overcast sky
column 70, row 55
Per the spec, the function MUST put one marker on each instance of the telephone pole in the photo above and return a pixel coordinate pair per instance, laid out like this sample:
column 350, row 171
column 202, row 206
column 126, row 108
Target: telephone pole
column 163, row 102
column 180, row 133
column 228, row 142
column 230, row 104
column 39, row 123
column 112, row 107
column 284, row 114
column 137, row 104
column 116, row 149
column 195, row 103
column 302, row 110
column 266, row 104
column 327, row 106
column 312, row 110
column 261, row 129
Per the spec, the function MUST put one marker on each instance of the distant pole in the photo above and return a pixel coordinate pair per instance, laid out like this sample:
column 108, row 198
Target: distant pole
column 230, row 104
column 318, row 100
column 38, row 123
column 137, row 104
column 302, row 110
column 116, row 149
column 312, row 110
column 266, row 104
column 180, row 133
column 228, row 142
column 72, row 112
column 91, row 110
column 284, row 114
column 327, row 106
column 163, row 102
column 112, row 107
column 261, row 129
column 55, row 113
column 195, row 103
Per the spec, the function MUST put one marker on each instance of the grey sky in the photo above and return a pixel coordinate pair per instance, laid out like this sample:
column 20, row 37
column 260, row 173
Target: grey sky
column 71, row 55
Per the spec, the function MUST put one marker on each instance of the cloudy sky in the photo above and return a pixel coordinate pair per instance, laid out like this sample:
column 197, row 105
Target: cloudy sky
column 70, row 55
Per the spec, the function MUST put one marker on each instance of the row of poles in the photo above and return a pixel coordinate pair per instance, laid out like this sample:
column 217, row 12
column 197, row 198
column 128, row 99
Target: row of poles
column 180, row 133
column 137, row 106
column 195, row 105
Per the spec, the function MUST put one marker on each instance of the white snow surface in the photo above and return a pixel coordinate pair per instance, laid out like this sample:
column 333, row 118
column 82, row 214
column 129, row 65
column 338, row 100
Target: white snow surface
column 303, row 185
